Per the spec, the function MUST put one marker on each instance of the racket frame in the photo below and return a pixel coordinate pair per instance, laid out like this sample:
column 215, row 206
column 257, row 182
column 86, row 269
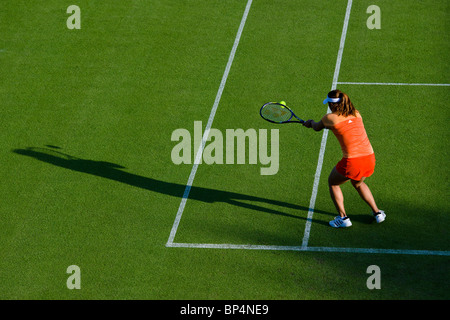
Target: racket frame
column 280, row 122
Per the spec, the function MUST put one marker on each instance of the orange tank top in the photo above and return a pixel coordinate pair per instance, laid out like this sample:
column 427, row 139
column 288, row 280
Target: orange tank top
column 353, row 138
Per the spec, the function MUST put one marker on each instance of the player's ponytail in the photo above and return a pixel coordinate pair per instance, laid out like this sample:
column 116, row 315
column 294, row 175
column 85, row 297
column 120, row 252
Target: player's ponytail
column 344, row 106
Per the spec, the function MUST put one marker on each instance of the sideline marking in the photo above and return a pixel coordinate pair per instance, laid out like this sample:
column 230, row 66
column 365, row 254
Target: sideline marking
column 323, row 144
column 396, row 84
column 208, row 127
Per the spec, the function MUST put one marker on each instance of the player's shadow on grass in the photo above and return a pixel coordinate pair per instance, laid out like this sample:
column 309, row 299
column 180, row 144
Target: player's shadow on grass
column 114, row 172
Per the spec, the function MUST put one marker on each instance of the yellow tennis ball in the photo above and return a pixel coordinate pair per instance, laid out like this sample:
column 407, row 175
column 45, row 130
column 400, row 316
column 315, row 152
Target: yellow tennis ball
column 283, row 103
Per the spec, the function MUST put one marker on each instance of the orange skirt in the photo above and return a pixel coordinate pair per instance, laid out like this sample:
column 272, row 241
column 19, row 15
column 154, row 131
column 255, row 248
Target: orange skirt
column 356, row 168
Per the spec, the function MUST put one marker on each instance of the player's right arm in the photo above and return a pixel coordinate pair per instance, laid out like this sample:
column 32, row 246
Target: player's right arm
column 317, row 126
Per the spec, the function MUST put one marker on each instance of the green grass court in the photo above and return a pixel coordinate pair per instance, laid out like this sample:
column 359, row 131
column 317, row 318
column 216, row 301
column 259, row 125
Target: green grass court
column 87, row 177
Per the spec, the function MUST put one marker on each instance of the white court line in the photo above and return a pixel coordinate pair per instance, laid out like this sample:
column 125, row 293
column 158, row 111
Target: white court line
column 312, row 202
column 309, row 249
column 396, row 84
column 208, row 127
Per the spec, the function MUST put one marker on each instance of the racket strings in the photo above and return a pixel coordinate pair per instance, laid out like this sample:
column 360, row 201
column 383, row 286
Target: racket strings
column 277, row 113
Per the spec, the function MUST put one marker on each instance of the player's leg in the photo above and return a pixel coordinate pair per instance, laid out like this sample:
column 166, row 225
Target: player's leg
column 365, row 193
column 335, row 179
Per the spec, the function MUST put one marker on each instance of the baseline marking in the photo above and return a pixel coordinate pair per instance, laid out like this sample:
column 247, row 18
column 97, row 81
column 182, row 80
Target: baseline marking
column 309, row 249
column 208, row 127
column 396, row 84
column 325, row 132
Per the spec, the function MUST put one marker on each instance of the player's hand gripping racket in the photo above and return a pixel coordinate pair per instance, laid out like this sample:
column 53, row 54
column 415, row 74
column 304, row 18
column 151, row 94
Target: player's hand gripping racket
column 278, row 113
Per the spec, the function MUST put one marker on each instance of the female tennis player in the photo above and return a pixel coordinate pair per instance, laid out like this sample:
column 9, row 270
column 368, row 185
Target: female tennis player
column 358, row 160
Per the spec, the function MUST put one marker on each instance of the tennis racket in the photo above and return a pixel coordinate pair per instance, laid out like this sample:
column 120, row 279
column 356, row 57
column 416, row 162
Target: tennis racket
column 278, row 113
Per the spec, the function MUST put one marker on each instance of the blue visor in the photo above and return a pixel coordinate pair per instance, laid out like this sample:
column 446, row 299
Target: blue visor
column 334, row 100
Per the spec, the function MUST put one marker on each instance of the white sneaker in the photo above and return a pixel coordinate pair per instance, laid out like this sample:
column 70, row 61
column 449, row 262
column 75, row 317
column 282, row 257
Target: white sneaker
column 380, row 216
column 338, row 222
